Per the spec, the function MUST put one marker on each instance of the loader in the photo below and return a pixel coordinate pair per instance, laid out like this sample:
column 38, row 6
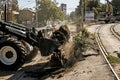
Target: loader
column 18, row 41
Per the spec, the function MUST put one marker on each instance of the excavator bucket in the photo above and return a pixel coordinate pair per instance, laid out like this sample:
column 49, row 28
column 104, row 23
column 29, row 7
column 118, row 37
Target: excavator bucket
column 47, row 46
column 59, row 37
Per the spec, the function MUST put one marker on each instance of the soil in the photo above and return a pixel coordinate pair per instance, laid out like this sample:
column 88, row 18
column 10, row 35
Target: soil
column 89, row 65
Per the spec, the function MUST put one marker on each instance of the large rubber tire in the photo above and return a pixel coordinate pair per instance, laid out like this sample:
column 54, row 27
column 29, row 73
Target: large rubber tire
column 12, row 54
column 31, row 55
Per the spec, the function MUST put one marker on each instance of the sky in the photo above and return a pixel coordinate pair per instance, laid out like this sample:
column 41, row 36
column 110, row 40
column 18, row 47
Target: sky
column 71, row 4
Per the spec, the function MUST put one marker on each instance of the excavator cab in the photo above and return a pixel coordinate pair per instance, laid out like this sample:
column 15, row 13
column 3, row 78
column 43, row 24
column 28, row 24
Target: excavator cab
column 109, row 13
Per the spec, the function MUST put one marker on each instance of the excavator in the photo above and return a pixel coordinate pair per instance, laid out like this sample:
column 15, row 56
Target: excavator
column 109, row 13
column 18, row 41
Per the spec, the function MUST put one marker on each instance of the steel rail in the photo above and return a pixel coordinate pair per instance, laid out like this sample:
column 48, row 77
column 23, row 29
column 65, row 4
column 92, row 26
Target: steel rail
column 104, row 52
column 117, row 35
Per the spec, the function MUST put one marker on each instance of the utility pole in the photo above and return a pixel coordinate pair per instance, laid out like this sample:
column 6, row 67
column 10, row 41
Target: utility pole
column 82, row 13
column 5, row 13
column 36, row 13
column 107, row 8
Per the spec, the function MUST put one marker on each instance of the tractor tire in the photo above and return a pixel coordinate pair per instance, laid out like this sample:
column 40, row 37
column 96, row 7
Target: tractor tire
column 12, row 54
column 31, row 55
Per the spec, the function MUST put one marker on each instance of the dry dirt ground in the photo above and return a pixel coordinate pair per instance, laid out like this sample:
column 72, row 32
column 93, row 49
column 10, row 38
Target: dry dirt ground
column 93, row 67
column 111, row 43
column 117, row 66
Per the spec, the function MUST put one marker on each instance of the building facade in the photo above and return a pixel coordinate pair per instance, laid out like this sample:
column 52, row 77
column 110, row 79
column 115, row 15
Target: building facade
column 63, row 8
column 26, row 17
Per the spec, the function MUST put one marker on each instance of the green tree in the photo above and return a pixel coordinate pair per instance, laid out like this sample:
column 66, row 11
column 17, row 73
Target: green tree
column 110, row 8
column 92, row 3
column 49, row 11
column 89, row 4
column 98, row 10
column 56, row 13
column 12, row 5
column 78, row 9
column 15, row 5
column 72, row 16
column 116, row 6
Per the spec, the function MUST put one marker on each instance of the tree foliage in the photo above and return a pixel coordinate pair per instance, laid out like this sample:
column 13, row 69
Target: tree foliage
column 116, row 6
column 92, row 3
column 89, row 6
column 49, row 11
column 81, row 40
column 72, row 16
column 12, row 5
column 110, row 8
column 15, row 5
column 98, row 10
column 78, row 9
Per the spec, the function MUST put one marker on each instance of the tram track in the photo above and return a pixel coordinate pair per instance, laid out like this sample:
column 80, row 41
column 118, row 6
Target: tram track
column 116, row 34
column 24, row 74
column 104, row 52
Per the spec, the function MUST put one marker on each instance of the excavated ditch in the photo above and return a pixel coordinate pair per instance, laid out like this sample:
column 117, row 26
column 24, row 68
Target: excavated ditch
column 71, row 56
